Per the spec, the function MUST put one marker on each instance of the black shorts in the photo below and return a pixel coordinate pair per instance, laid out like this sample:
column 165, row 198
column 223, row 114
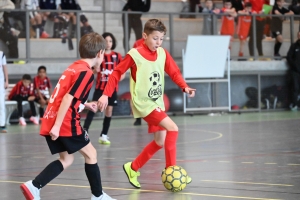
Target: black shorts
column 37, row 99
column 112, row 101
column 69, row 144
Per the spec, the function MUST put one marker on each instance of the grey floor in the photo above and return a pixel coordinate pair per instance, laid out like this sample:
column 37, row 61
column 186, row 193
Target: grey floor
column 247, row 156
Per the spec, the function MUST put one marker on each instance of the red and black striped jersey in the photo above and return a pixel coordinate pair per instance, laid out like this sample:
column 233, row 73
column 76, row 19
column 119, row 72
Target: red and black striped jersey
column 21, row 90
column 77, row 81
column 41, row 84
column 108, row 65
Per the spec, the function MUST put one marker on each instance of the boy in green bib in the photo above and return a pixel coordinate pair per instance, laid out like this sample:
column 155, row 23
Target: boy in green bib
column 148, row 63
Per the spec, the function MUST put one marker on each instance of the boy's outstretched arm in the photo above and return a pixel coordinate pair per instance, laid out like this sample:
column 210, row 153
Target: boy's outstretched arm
column 63, row 108
column 173, row 71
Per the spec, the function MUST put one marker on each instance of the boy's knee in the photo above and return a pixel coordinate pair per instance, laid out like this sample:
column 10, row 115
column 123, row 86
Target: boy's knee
column 160, row 142
column 173, row 127
column 91, row 158
column 66, row 162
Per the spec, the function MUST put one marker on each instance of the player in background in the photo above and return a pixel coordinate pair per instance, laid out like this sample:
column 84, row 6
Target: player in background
column 110, row 62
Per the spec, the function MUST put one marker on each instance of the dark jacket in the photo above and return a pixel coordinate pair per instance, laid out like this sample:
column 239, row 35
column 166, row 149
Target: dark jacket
column 138, row 5
column 293, row 56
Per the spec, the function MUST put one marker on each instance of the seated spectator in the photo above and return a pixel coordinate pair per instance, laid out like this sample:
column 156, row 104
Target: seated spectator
column 35, row 17
column 8, row 34
column 19, row 16
column 293, row 58
column 208, row 25
column 42, row 87
column 53, row 16
column 69, row 5
column 84, row 24
column 85, row 27
column 23, row 91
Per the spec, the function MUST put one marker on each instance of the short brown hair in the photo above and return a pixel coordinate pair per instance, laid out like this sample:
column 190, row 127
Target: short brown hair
column 26, row 77
column 154, row 25
column 90, row 44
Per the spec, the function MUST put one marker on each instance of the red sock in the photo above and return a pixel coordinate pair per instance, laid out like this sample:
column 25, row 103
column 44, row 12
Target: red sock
column 170, row 148
column 145, row 155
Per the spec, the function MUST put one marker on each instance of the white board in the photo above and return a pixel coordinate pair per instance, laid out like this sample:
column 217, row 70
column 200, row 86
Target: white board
column 205, row 56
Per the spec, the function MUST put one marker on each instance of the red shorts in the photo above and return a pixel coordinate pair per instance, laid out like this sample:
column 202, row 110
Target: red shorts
column 243, row 37
column 153, row 120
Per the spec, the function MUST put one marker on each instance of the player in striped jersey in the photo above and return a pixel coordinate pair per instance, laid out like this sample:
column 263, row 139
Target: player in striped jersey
column 61, row 122
column 42, row 87
column 110, row 61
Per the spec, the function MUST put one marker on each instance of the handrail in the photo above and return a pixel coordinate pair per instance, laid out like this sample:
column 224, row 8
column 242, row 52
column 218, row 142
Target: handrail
column 170, row 16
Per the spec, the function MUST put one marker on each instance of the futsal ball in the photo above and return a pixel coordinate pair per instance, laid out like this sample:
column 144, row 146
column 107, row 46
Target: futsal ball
column 174, row 178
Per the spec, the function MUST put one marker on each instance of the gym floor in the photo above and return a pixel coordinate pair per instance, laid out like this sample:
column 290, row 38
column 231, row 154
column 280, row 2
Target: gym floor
column 232, row 156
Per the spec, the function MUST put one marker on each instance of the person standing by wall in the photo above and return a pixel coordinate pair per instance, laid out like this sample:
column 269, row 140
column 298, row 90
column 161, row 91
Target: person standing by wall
column 257, row 7
column 8, row 34
column 134, row 20
column 293, row 58
column 3, row 86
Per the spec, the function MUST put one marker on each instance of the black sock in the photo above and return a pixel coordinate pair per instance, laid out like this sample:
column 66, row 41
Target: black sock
column 48, row 174
column 43, row 22
column 106, row 125
column 34, row 27
column 277, row 47
column 73, row 30
column 74, row 27
column 41, row 111
column 56, row 30
column 40, row 26
column 92, row 172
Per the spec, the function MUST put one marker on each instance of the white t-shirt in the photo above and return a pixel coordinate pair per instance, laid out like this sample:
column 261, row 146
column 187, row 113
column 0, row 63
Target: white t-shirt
column 2, row 62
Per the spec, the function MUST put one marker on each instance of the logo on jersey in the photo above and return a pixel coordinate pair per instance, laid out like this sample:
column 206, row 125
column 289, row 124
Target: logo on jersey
column 155, row 91
column 86, row 135
column 106, row 72
column 50, row 113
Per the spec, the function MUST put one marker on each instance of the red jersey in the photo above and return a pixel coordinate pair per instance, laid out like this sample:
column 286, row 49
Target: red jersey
column 110, row 61
column 77, row 81
column 171, row 69
column 243, row 28
column 21, row 90
column 227, row 27
column 41, row 84
column 138, row 43
column 257, row 6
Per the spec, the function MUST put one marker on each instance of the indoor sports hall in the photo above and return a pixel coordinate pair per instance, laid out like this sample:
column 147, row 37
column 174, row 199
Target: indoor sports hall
column 230, row 156
column 238, row 138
